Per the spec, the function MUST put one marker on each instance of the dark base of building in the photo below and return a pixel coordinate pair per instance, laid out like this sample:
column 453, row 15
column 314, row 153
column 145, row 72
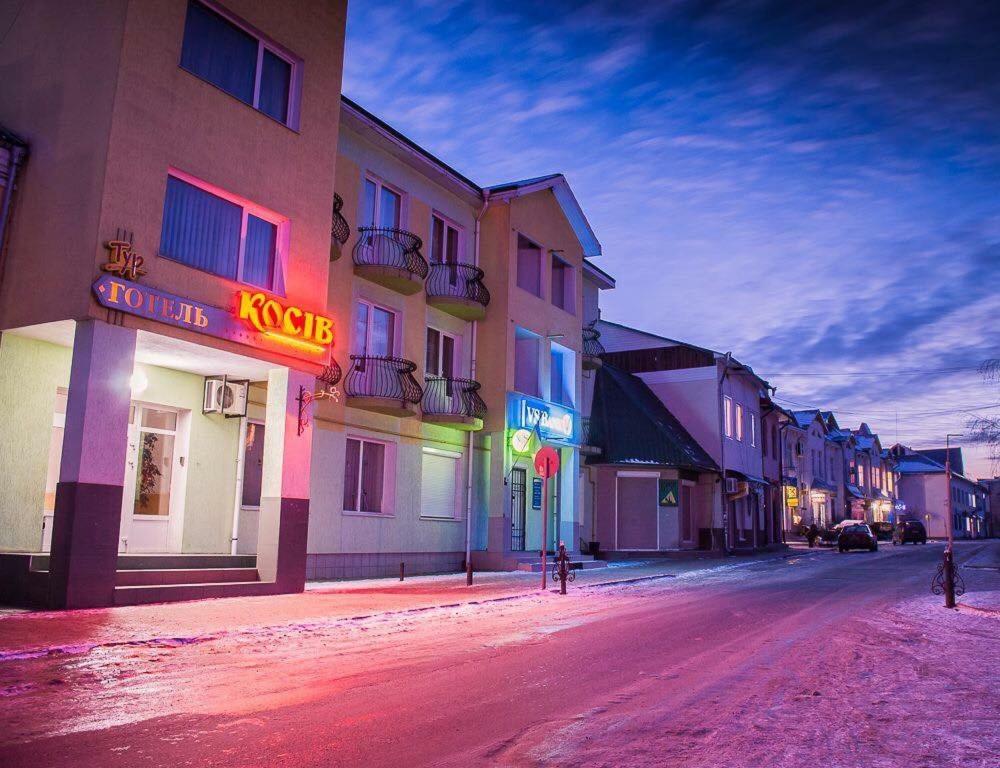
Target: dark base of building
column 375, row 565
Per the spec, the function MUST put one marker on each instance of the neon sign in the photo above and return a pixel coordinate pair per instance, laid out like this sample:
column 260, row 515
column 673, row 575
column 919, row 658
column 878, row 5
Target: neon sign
column 288, row 324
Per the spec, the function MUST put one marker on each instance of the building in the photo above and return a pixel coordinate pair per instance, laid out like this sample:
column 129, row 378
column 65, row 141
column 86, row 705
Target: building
column 992, row 485
column 654, row 486
column 718, row 400
column 924, row 489
column 872, row 486
column 163, row 303
column 816, row 469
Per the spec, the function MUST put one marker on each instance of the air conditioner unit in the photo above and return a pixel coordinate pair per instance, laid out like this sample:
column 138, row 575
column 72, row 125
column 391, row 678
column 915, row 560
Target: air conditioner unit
column 225, row 396
column 732, row 485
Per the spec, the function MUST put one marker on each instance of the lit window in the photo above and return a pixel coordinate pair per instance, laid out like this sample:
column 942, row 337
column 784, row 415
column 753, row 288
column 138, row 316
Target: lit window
column 227, row 54
column 210, row 230
column 739, row 422
column 727, row 410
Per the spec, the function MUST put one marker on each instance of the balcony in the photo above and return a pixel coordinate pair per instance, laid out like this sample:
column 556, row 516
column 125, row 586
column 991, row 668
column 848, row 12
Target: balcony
column 587, row 447
column 340, row 230
column 383, row 384
column 390, row 257
column 592, row 348
column 458, row 290
column 453, row 402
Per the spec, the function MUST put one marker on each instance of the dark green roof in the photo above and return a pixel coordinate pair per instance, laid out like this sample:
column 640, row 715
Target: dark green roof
column 632, row 426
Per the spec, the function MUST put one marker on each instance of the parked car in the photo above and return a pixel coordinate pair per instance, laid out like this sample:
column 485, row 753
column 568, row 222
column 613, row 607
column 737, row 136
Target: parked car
column 883, row 531
column 909, row 530
column 857, row 536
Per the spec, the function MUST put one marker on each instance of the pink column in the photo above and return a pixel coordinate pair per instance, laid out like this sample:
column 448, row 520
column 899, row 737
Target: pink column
column 284, row 499
column 89, row 493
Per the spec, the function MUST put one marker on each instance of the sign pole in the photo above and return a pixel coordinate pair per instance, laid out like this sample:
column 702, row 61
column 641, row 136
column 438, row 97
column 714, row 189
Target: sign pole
column 545, row 521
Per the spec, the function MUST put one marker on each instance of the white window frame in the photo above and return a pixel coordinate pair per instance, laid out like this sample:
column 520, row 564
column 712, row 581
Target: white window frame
column 379, row 183
column 264, row 43
column 249, row 208
column 753, row 429
column 458, row 505
column 448, row 223
column 396, row 327
column 388, row 476
column 727, row 418
column 739, row 422
column 456, row 360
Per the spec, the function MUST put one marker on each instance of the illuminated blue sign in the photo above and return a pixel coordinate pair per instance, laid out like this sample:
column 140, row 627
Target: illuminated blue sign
column 553, row 422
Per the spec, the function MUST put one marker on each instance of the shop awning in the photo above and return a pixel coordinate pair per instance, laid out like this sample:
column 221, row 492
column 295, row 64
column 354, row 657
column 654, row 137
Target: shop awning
column 822, row 485
column 749, row 478
column 854, row 491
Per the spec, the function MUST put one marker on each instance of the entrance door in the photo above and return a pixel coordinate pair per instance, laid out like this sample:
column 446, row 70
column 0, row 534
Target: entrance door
column 151, row 467
column 518, row 510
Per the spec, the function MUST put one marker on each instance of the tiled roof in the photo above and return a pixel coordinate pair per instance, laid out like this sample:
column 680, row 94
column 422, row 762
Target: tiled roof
column 938, row 455
column 632, row 426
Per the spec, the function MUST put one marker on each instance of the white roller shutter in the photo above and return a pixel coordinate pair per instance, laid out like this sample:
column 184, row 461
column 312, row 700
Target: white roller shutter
column 439, row 485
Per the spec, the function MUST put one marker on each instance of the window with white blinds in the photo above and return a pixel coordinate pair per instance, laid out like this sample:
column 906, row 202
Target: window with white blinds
column 439, row 484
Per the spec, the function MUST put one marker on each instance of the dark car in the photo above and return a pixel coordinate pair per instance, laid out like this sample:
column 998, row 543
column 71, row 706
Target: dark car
column 883, row 531
column 909, row 530
column 858, row 536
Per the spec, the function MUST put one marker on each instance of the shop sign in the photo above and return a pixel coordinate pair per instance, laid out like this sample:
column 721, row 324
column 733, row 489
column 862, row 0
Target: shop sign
column 551, row 420
column 536, row 493
column 791, row 496
column 153, row 304
column 669, row 493
column 286, row 323
column 122, row 260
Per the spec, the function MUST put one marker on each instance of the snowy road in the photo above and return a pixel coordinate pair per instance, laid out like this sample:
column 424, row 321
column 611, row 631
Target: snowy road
column 840, row 659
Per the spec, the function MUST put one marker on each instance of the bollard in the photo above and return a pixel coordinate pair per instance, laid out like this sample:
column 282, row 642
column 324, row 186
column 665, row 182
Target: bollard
column 561, row 570
column 401, row 568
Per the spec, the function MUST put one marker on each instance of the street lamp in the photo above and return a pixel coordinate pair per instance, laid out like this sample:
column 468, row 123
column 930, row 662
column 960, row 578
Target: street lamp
column 949, row 557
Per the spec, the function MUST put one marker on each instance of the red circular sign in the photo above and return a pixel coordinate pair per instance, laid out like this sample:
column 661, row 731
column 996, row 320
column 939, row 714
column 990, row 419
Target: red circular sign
column 546, row 461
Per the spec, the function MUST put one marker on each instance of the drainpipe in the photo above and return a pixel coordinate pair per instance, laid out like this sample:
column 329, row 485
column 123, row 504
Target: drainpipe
column 18, row 152
column 472, row 375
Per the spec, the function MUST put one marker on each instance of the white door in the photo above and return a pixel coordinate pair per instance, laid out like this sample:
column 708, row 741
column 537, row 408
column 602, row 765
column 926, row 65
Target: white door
column 152, row 465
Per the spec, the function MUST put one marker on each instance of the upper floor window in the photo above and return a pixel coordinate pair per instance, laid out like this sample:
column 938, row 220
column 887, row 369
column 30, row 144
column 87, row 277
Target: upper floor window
column 227, row 53
column 561, row 378
column 529, row 266
column 753, row 429
column 383, row 205
column 527, row 347
column 440, row 354
column 374, row 330
column 563, row 293
column 445, row 241
column 727, row 415
column 210, row 230
column 739, row 422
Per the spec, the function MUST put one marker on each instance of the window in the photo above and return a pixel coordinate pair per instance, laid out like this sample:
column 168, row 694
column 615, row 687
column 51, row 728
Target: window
column 562, row 285
column 383, row 205
column 222, row 234
column 439, row 484
column 364, row 476
column 561, row 379
column 445, row 242
column 228, row 55
column 526, row 353
column 739, row 422
column 529, row 266
column 753, row 429
column 374, row 330
column 440, row 357
column 727, row 414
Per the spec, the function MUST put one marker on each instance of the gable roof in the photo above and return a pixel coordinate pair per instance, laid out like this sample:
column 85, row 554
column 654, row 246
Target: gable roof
column 560, row 188
column 804, row 418
column 917, row 464
column 631, row 425
column 939, row 455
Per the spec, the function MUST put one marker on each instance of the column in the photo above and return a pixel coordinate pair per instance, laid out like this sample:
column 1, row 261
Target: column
column 88, row 503
column 284, row 496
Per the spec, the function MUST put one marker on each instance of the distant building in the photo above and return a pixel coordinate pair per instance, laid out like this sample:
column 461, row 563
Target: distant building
column 924, row 490
column 992, row 485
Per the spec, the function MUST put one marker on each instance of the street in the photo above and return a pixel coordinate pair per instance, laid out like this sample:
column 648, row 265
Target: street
column 845, row 659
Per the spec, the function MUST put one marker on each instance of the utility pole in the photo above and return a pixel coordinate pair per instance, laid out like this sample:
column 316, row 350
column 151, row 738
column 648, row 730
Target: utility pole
column 949, row 555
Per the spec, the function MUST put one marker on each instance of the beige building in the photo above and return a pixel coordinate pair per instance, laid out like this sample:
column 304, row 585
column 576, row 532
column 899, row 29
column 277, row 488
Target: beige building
column 163, row 296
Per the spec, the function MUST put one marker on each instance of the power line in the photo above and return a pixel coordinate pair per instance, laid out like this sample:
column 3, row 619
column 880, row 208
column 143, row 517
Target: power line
column 891, row 414
column 900, row 372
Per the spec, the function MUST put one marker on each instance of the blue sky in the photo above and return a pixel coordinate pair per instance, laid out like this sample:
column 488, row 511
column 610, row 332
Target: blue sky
column 812, row 186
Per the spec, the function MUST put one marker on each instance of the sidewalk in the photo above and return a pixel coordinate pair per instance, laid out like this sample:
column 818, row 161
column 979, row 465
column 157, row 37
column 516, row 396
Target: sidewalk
column 39, row 633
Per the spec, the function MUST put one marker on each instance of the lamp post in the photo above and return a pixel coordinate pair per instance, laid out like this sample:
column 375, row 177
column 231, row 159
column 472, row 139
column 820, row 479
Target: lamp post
column 949, row 557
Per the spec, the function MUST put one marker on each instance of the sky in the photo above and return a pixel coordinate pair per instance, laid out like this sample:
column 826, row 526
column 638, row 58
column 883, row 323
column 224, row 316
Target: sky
column 814, row 187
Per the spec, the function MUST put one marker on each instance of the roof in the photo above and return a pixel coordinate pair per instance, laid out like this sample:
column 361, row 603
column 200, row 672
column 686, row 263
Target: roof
column 631, row 425
column 571, row 209
column 603, row 279
column 917, row 464
column 804, row 418
column 938, row 455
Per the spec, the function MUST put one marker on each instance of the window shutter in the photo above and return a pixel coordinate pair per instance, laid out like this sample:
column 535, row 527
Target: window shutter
column 438, row 486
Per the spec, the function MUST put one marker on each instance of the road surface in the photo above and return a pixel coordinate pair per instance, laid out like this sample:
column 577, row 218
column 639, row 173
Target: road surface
column 843, row 660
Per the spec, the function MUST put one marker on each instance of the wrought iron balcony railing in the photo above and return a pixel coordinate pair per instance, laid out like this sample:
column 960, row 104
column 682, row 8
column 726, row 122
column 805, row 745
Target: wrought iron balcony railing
column 390, row 378
column 457, row 281
column 340, row 230
column 448, row 396
column 390, row 247
column 592, row 346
